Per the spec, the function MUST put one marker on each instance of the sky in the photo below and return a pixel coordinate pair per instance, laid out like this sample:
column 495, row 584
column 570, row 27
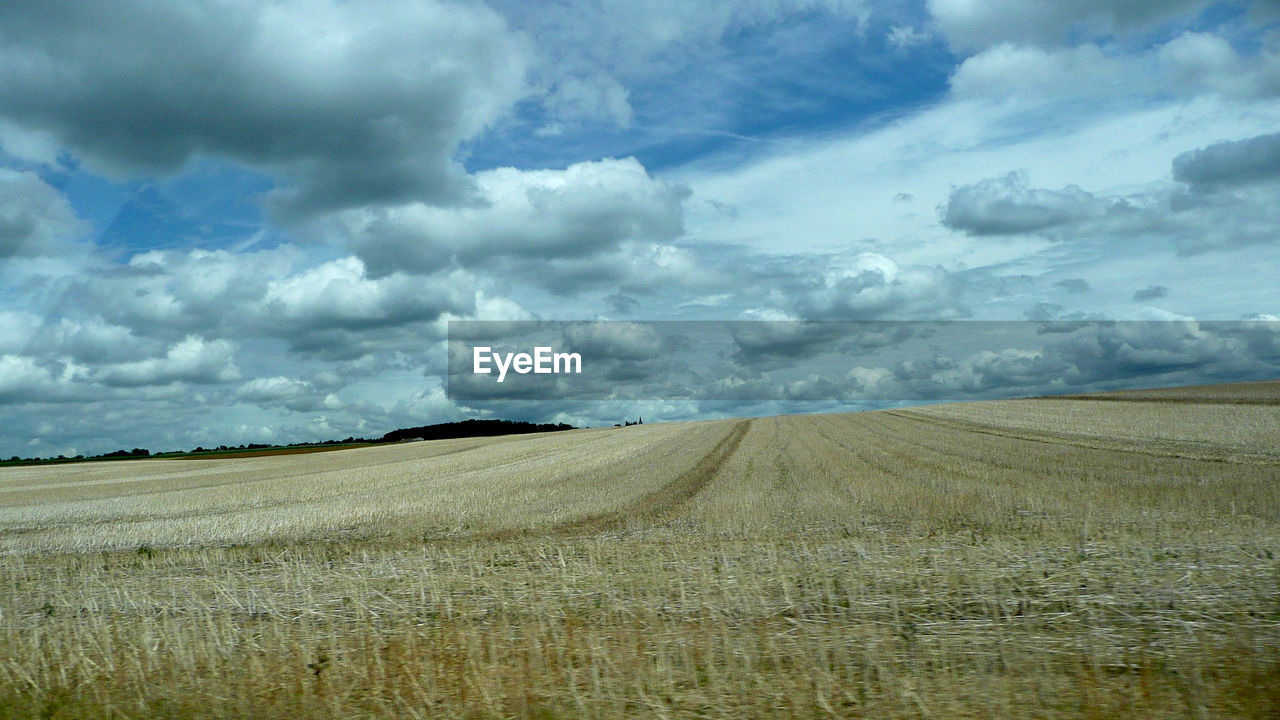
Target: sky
column 227, row 222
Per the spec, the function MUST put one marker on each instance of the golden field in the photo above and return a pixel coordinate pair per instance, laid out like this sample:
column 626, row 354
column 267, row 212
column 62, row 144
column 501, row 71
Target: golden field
column 1085, row 557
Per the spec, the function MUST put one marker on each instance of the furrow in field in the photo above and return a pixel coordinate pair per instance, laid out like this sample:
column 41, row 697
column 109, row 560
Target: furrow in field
column 1242, row 434
column 666, row 501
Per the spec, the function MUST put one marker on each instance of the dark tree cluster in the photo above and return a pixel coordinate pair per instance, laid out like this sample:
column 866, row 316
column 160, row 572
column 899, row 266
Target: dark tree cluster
column 136, row 452
column 471, row 428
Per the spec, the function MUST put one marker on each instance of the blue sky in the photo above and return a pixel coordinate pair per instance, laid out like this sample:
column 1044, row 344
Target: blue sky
column 252, row 222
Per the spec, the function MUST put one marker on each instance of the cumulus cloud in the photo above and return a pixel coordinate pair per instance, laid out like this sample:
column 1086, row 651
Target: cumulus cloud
column 346, row 103
column 1079, row 356
column 971, row 25
column 35, row 219
column 783, row 286
column 1189, row 65
column 614, row 340
column 265, row 294
column 1023, row 70
column 338, row 294
column 88, row 341
column 194, row 360
column 182, row 291
column 23, row 379
column 1229, row 164
column 1200, row 61
column 290, row 393
column 868, row 286
column 585, row 210
column 1193, row 218
column 1008, row 205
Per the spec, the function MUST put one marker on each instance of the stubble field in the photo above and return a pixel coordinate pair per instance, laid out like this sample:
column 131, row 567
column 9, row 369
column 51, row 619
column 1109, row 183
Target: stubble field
column 1111, row 556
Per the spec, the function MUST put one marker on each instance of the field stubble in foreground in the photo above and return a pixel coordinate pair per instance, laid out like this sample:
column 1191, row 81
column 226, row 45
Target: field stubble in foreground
column 939, row 562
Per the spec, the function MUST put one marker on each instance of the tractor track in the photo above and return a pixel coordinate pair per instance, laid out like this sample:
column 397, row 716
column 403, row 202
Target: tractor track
column 654, row 507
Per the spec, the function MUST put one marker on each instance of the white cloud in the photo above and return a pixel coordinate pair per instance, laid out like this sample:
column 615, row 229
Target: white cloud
column 1200, row 62
column 1191, row 222
column 16, row 329
column 974, row 24
column 347, row 103
column 291, row 393
column 89, row 340
column 592, row 97
column 267, row 293
column 338, row 293
column 22, row 379
column 194, row 359
column 584, row 210
column 1007, row 70
column 1191, row 64
column 870, row 286
column 834, row 195
column 182, row 290
column 901, row 36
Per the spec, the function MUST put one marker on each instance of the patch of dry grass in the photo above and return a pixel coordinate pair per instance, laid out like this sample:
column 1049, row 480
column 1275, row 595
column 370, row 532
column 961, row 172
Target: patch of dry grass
column 941, row 562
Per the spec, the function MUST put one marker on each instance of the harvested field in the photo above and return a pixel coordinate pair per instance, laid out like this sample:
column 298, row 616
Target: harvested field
column 1046, row 558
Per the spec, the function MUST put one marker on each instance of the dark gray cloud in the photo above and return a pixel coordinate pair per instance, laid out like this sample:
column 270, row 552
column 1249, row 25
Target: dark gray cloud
column 1151, row 292
column 1009, row 206
column 1191, row 220
column 766, row 344
column 1055, row 318
column 35, row 219
column 1230, row 164
column 1073, row 285
column 347, row 104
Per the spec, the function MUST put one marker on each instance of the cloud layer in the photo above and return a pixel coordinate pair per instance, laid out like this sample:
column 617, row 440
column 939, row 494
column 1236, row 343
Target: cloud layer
column 241, row 222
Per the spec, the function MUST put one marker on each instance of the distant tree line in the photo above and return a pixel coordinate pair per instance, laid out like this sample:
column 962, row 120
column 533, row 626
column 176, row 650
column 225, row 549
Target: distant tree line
column 471, row 428
column 136, row 452
column 440, row 431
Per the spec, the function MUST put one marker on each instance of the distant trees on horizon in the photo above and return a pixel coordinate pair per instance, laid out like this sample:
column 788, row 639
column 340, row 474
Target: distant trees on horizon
column 439, row 431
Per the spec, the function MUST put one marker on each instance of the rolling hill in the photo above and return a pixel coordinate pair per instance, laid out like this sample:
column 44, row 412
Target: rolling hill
column 1085, row 556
